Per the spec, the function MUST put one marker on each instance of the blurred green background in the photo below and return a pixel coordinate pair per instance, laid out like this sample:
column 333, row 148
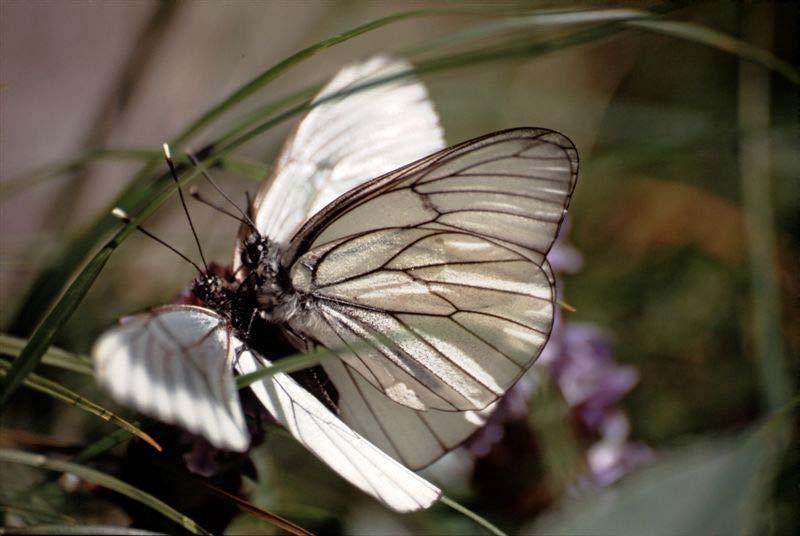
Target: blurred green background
column 686, row 214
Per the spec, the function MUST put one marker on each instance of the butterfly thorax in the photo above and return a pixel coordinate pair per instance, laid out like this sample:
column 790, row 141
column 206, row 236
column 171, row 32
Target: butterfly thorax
column 275, row 299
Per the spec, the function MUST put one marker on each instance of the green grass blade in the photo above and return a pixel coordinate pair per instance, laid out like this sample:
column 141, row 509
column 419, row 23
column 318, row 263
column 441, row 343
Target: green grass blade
column 543, row 19
column 444, row 499
column 722, row 41
column 55, row 357
column 8, row 188
column 17, row 184
column 303, row 360
column 109, row 530
column 260, row 513
column 755, row 170
column 288, row 364
column 51, row 280
column 35, row 515
column 252, row 169
column 43, row 336
column 102, row 479
column 273, row 72
column 107, row 442
column 59, row 392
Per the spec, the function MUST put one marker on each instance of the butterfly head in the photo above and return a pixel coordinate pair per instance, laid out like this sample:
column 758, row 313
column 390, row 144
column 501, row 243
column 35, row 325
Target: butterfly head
column 212, row 290
column 254, row 250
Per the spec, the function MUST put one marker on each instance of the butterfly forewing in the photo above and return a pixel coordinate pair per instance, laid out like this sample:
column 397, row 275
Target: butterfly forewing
column 434, row 276
column 347, row 140
column 174, row 363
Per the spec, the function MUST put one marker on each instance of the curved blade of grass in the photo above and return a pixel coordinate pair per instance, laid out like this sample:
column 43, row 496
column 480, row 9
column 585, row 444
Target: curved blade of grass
column 107, row 442
column 269, row 517
column 755, row 171
column 55, row 357
column 239, row 164
column 645, row 20
column 547, row 18
column 102, row 479
column 25, row 511
column 722, row 41
column 632, row 17
column 273, row 72
column 461, row 60
column 288, row 364
column 304, row 360
column 47, row 285
column 27, row 180
column 8, row 188
column 43, row 336
column 79, row 529
column 444, row 499
column 58, row 391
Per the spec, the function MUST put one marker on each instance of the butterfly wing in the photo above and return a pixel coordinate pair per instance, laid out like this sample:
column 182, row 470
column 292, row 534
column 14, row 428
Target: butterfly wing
column 434, row 276
column 346, row 452
column 346, row 141
column 175, row 363
column 415, row 438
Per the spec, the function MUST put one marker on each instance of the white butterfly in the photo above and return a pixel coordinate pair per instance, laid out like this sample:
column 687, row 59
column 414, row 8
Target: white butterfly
column 433, row 277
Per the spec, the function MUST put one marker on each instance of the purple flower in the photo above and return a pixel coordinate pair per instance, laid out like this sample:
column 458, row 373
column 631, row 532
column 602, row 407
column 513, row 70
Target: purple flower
column 487, row 437
column 202, row 458
column 589, row 379
column 610, row 458
column 513, row 406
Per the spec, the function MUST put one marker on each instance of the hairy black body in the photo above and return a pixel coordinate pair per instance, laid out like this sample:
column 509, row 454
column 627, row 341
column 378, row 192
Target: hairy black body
column 257, row 301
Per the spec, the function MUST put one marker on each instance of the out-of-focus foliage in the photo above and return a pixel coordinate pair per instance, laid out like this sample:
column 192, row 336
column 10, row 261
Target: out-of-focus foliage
column 711, row 487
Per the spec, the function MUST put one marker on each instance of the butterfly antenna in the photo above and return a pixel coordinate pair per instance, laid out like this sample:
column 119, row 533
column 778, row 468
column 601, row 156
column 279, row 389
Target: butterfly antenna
column 245, row 218
column 168, row 158
column 198, row 197
column 123, row 216
column 248, row 200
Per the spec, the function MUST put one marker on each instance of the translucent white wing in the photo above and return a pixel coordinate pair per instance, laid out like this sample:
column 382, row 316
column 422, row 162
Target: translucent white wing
column 175, row 363
column 347, row 141
column 353, row 457
column 415, row 438
column 434, row 276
